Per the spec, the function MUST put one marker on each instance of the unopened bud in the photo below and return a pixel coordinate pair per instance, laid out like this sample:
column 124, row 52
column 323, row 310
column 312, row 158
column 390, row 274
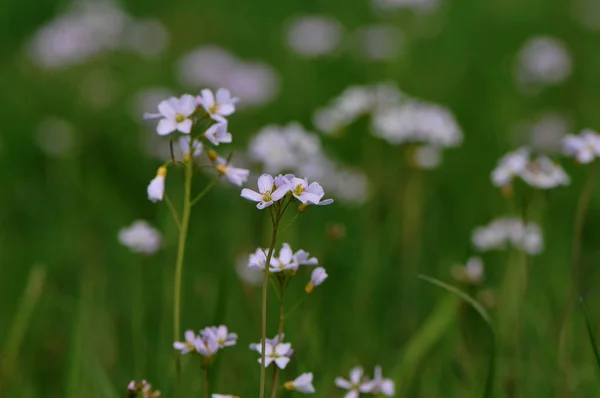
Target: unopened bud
column 289, row 385
column 309, row 287
column 162, row 171
column 221, row 168
column 212, row 154
column 302, row 208
column 187, row 157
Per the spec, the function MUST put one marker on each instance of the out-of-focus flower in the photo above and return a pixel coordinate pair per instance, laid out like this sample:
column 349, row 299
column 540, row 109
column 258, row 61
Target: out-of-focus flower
column 217, row 134
column 356, row 384
column 427, row 157
column 207, row 344
column 156, row 188
column 267, row 193
column 318, row 276
column 221, row 335
column 379, row 385
column 149, row 37
column 142, row 389
column 188, row 345
column 185, row 146
column 140, row 237
column 380, row 42
column 235, row 175
column 219, row 106
column 423, row 6
column 543, row 133
column 503, row 232
column 510, row 166
column 585, row 147
column 543, row 61
column 56, row 136
column 251, row 276
column 543, row 173
column 302, row 383
column 471, row 273
column 313, row 36
column 175, row 114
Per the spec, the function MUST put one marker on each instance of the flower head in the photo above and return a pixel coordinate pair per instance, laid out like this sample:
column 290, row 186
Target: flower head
column 302, row 383
column 355, row 385
column 187, row 146
column 510, row 166
column 306, row 193
column 156, row 188
column 175, row 114
column 318, row 276
column 219, row 107
column 189, row 345
column 217, row 134
column 585, row 147
column 207, row 344
column 140, row 237
column 221, row 335
column 258, row 259
column 379, row 385
column 471, row 273
column 545, row 174
column 268, row 192
column 142, row 389
column 285, row 261
column 275, row 351
column 234, row 175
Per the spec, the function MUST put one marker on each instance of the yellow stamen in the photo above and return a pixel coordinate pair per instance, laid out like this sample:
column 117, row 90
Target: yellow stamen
column 162, row 171
column 309, row 287
column 221, row 168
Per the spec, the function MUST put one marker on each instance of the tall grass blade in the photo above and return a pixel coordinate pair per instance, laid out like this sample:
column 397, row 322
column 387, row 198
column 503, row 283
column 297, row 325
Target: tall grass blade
column 489, row 383
column 590, row 332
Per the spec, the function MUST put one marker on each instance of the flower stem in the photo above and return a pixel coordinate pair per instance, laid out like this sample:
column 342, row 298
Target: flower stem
column 263, row 369
column 185, row 221
column 205, row 191
column 275, row 381
column 207, row 381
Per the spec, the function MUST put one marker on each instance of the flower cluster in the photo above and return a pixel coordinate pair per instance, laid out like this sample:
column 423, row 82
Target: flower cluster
column 503, row 232
column 271, row 190
column 359, row 384
column 584, row 147
column 207, row 342
column 142, row 389
column 180, row 115
column 286, row 261
column 140, row 237
column 471, row 273
column 540, row 172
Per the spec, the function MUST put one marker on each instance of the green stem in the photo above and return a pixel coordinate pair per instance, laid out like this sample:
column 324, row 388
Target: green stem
column 295, row 307
column 275, row 381
column 288, row 225
column 137, row 320
column 205, row 191
column 173, row 212
column 185, row 221
column 207, row 381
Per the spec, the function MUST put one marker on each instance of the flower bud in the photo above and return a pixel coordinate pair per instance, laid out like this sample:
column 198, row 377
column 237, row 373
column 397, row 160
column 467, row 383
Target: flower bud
column 212, row 154
column 303, row 207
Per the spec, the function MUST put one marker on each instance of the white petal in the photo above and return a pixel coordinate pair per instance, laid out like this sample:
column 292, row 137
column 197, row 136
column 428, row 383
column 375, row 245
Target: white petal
column 208, row 100
column 265, row 183
column 388, row 387
column 190, row 335
column 263, row 205
column 187, row 105
column 356, row 375
column 342, row 383
column 283, row 348
column 223, row 95
column 185, row 126
column 351, row 394
column 166, row 126
column 166, row 108
column 282, row 362
column 251, row 195
column 210, row 134
column 280, row 192
column 226, row 109
column 325, row 202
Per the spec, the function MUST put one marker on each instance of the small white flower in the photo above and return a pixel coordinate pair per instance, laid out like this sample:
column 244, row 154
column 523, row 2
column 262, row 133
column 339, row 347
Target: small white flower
column 234, row 175
column 317, row 277
column 207, row 344
column 545, row 174
column 282, row 180
column 504, row 231
column 189, row 345
column 175, row 115
column 184, row 144
column 156, row 188
column 302, row 383
column 380, row 385
column 140, row 237
column 306, row 193
column 303, row 258
column 258, row 259
column 585, row 147
column 355, row 385
column 471, row 273
column 285, row 261
column 221, row 335
column 277, row 353
column 219, row 107
column 217, row 134
column 267, row 193
column 510, row 166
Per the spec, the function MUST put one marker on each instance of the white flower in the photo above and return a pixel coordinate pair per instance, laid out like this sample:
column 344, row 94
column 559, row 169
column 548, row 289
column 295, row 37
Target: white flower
column 285, row 261
column 380, row 385
column 510, row 165
column 267, row 192
column 542, row 61
column 219, row 107
column 217, row 133
column 184, row 144
column 471, row 273
column 504, row 231
column 306, row 193
column 303, row 258
column 317, row 277
column 234, row 175
column 140, row 237
column 258, row 259
column 313, row 36
column 175, row 115
column 189, row 345
column 221, row 335
column 545, row 174
column 355, row 385
column 207, row 344
column 277, row 353
column 156, row 188
column 585, row 147
column 302, row 383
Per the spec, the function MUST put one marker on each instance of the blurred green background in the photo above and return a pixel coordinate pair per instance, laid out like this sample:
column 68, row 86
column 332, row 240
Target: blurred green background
column 67, row 194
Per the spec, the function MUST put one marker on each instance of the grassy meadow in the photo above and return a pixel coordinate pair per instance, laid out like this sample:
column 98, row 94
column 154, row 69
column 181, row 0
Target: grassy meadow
column 81, row 315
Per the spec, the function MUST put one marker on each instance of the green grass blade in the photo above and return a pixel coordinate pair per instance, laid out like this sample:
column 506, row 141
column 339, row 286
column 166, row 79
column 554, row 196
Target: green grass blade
column 489, row 383
column 590, row 332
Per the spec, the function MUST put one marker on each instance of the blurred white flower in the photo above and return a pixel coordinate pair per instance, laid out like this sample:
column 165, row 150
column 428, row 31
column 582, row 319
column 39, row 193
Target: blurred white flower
column 175, row 114
column 502, row 232
column 423, row 6
column 313, row 36
column 149, row 37
column 427, row 157
column 156, row 188
column 275, row 351
column 585, row 147
column 144, row 388
column 256, row 82
column 543, row 133
column 543, row 61
column 543, row 173
column 221, row 335
column 235, row 175
column 217, row 134
column 510, row 166
column 317, row 277
column 471, row 273
column 267, row 194
column 251, row 276
column 217, row 106
column 356, row 384
column 379, row 385
column 188, row 345
column 55, row 136
column 140, row 237
column 302, row 383
column 380, row 42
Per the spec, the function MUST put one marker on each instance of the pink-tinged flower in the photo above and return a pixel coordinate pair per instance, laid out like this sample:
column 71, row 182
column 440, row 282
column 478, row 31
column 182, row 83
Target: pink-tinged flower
column 221, row 106
column 379, row 385
column 175, row 114
column 234, row 175
column 318, row 276
column 258, row 259
column 187, row 346
column 267, row 192
column 221, row 335
column 302, row 383
column 156, row 188
column 355, row 385
column 217, row 134
column 282, row 180
column 306, row 193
